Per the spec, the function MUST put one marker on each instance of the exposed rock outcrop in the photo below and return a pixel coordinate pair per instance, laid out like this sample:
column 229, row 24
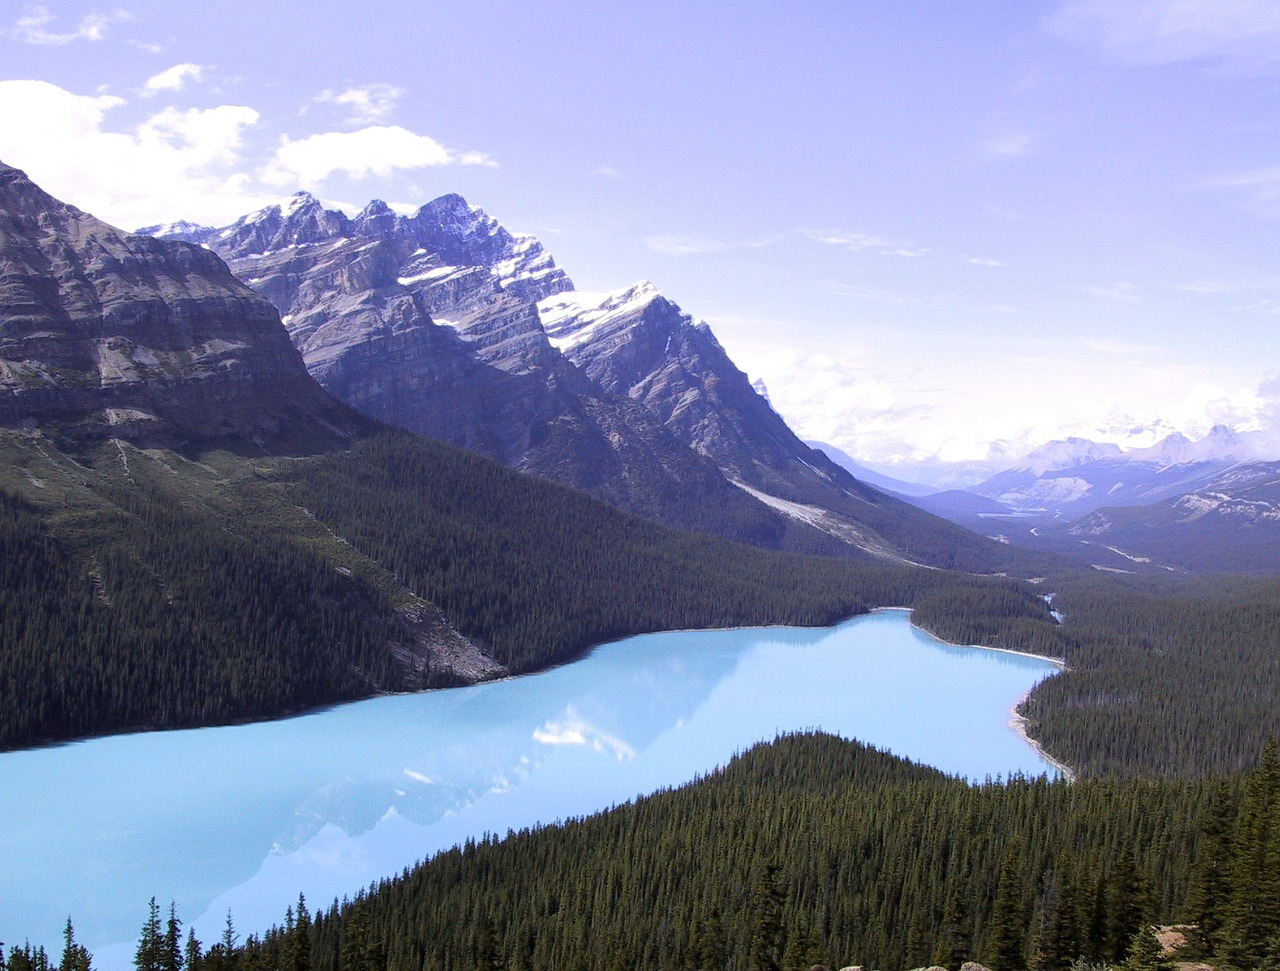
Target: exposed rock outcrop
column 445, row 323
column 103, row 333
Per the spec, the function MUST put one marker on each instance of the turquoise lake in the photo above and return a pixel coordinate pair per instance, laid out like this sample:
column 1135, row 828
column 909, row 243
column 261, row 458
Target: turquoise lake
column 243, row 818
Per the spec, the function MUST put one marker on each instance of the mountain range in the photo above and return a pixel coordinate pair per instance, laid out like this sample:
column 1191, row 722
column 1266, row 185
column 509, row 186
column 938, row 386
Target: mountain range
column 194, row 531
column 1183, row 505
column 446, row 324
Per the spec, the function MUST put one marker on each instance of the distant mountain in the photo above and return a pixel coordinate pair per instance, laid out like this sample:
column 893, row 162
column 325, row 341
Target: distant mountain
column 886, row 483
column 445, row 323
column 1066, row 453
column 1066, row 483
column 1229, row 524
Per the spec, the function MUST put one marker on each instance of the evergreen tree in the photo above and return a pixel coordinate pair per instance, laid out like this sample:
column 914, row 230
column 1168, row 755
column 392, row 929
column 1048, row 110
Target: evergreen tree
column 766, row 927
column 74, row 956
column 172, row 958
column 1128, row 904
column 193, row 955
column 1056, row 944
column 1145, row 953
column 299, row 939
column 150, row 953
column 1251, row 914
column 1007, row 939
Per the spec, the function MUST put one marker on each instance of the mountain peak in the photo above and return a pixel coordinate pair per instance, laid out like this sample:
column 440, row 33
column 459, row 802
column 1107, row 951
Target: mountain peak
column 1220, row 445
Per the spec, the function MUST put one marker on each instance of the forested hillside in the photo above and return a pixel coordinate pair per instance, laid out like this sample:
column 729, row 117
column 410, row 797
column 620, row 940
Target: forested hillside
column 1169, row 675
column 143, row 588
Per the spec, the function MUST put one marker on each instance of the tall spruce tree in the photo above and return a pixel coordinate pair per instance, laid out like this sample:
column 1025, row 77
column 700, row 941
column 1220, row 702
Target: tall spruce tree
column 1007, row 947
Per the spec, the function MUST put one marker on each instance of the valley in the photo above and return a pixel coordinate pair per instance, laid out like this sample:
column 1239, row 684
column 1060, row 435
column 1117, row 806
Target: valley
column 508, row 473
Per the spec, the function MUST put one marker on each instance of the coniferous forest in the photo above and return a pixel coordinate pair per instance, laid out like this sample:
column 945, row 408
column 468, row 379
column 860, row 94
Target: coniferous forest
column 185, row 590
column 809, row 850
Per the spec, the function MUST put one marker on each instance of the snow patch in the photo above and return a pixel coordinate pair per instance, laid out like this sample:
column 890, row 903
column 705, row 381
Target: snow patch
column 574, row 317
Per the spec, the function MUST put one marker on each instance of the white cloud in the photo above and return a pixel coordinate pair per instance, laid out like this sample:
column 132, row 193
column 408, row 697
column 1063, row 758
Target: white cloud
column 850, row 241
column 1242, row 33
column 368, row 104
column 378, row 150
column 32, row 27
column 984, row 261
column 1262, row 184
column 174, row 164
column 189, row 164
column 606, row 172
column 174, row 78
column 1123, row 291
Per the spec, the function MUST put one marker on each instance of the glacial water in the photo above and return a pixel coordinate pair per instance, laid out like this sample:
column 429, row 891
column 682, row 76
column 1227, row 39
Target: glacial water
column 243, row 818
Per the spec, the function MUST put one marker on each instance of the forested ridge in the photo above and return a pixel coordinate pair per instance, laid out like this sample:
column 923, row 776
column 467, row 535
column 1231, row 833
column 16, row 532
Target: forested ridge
column 1170, row 675
column 146, row 589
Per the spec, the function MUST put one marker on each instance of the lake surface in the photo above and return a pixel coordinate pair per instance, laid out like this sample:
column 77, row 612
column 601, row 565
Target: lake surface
column 243, row 818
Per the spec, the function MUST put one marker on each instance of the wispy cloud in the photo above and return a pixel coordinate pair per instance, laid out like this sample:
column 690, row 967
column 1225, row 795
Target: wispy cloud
column 606, row 172
column 856, row 291
column 695, row 244
column 368, row 104
column 174, row 78
column 1123, row 291
column 1241, row 33
column 1261, row 185
column 33, row 27
column 984, row 261
column 1013, row 144
column 858, row 241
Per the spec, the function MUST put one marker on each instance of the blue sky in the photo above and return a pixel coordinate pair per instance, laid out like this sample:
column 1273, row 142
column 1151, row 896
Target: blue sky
column 926, row 226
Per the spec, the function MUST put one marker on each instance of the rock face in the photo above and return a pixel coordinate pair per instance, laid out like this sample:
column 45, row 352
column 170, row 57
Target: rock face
column 103, row 333
column 445, row 323
column 430, row 322
column 639, row 344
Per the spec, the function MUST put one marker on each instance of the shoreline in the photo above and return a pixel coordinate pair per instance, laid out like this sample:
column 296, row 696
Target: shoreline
column 1017, row 721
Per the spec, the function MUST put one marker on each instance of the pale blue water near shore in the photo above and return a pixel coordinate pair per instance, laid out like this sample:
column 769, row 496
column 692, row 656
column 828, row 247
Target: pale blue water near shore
column 245, row 817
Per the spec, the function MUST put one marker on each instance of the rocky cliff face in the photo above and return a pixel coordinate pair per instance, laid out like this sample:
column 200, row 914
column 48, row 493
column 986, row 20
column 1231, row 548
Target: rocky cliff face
column 638, row 343
column 444, row 323
column 430, row 322
column 103, row 333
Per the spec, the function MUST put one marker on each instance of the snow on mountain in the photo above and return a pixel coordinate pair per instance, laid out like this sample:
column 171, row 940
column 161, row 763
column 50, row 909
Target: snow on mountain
column 574, row 317
column 1067, row 452
column 1220, row 445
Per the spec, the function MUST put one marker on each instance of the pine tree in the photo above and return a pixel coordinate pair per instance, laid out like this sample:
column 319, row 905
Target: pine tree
column 1251, row 914
column 74, row 956
column 150, row 953
column 299, row 946
column 172, row 958
column 1145, row 953
column 193, row 955
column 1007, row 938
column 767, row 928
column 1128, row 905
